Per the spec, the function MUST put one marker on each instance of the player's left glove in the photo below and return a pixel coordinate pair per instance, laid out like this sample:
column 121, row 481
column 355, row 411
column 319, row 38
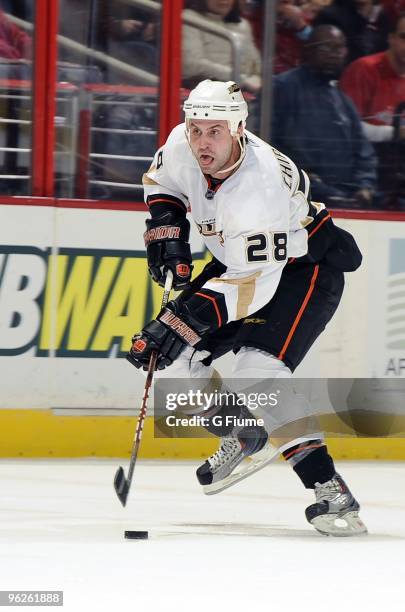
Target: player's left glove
column 167, row 241
column 178, row 325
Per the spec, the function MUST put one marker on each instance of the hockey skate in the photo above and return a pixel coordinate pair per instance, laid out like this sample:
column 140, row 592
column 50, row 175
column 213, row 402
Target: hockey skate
column 335, row 512
column 226, row 467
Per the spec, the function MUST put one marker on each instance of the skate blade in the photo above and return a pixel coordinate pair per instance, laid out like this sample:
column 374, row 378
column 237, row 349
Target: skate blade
column 350, row 524
column 248, row 467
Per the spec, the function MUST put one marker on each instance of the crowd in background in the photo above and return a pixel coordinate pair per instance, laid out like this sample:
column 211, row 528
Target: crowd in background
column 338, row 85
column 338, row 88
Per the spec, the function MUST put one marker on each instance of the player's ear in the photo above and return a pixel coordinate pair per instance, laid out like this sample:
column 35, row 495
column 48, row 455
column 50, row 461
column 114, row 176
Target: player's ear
column 240, row 129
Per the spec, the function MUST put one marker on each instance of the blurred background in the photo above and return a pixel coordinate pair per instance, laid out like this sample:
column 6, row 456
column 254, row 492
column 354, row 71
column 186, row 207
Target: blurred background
column 90, row 87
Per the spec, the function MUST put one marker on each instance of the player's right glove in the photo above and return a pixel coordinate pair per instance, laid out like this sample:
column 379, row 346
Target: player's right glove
column 168, row 335
column 178, row 325
column 155, row 337
column 167, row 246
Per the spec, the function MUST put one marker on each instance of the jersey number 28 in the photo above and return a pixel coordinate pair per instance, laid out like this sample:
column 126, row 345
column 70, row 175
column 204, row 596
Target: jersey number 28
column 257, row 247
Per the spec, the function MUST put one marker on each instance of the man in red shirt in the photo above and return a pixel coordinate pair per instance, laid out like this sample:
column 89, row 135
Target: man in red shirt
column 376, row 84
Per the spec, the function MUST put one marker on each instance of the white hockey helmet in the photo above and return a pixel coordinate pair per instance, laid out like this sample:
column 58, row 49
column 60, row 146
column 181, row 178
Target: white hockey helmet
column 217, row 100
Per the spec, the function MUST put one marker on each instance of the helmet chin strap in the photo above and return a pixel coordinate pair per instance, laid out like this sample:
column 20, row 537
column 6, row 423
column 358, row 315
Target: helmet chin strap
column 242, row 146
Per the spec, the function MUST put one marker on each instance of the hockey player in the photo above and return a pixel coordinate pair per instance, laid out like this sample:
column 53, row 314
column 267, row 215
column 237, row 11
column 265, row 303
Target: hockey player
column 276, row 255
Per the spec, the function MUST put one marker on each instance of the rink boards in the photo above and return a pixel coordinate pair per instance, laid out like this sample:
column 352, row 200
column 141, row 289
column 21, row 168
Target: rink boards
column 74, row 288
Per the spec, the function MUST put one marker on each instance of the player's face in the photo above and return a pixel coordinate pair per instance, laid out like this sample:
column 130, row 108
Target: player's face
column 212, row 145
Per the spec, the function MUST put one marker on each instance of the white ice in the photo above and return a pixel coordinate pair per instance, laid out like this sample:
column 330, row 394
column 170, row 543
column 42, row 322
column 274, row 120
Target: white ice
column 249, row 548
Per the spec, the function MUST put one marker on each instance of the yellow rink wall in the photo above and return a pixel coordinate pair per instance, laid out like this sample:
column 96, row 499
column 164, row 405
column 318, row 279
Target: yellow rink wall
column 41, row 433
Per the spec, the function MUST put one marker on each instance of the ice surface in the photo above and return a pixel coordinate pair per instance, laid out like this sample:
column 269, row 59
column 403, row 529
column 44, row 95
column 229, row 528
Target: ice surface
column 62, row 527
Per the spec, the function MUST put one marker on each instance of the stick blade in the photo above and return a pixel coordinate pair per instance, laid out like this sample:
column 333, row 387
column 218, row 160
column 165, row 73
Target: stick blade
column 121, row 485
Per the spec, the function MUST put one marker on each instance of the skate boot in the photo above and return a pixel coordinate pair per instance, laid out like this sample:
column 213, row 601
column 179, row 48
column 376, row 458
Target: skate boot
column 218, row 471
column 335, row 512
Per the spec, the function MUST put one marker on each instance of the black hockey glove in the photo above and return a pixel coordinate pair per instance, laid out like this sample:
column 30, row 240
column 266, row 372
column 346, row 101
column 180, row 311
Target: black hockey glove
column 168, row 334
column 178, row 325
column 167, row 248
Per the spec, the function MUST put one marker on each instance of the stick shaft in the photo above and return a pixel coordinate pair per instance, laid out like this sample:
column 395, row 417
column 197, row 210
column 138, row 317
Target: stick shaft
column 148, row 384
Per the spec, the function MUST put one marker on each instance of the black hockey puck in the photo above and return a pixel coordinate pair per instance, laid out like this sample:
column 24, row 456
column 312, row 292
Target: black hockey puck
column 136, row 535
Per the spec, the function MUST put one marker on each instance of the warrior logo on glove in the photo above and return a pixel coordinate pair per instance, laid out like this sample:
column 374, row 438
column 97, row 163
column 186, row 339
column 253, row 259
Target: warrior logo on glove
column 183, row 270
column 139, row 345
column 167, row 232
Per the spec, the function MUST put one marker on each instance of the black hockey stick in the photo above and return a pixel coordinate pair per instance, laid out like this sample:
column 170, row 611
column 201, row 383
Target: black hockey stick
column 122, row 484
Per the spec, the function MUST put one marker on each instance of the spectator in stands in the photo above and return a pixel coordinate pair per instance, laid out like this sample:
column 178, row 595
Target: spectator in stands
column 376, row 84
column 393, row 8
column 293, row 28
column 15, row 44
column 132, row 24
column 365, row 24
column 133, row 35
column 315, row 123
column 313, row 7
column 252, row 10
column 206, row 55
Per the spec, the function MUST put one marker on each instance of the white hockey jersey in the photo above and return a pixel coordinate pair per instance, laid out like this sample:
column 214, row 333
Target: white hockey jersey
column 253, row 222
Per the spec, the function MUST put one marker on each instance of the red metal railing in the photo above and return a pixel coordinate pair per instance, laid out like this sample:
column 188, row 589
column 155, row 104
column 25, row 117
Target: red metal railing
column 50, row 100
column 39, row 97
column 170, row 68
column 44, row 87
column 44, row 90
